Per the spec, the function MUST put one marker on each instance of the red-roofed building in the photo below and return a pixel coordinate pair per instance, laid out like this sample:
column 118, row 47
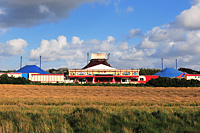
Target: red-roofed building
column 192, row 76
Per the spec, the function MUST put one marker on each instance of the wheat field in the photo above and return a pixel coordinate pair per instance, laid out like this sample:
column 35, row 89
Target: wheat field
column 39, row 108
column 98, row 95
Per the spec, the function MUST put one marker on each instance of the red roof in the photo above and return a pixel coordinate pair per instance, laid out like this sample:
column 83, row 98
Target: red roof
column 94, row 62
column 193, row 74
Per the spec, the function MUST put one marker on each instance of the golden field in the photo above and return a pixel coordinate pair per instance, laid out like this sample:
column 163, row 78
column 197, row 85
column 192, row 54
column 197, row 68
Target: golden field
column 98, row 95
column 39, row 108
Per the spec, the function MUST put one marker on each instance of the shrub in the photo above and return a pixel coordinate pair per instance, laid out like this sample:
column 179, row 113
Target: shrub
column 5, row 79
column 173, row 82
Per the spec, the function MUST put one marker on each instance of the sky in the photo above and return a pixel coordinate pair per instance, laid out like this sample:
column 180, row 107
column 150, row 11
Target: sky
column 136, row 33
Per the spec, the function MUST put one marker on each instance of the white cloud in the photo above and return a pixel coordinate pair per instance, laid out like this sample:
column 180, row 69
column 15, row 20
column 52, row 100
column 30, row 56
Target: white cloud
column 74, row 53
column 94, row 42
column 190, row 18
column 107, row 45
column 2, row 12
column 76, row 42
column 50, row 50
column 134, row 33
column 44, row 9
column 123, row 46
column 147, row 44
column 13, row 47
column 129, row 9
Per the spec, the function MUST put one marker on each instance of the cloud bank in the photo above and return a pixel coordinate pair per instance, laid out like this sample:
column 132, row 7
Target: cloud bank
column 23, row 13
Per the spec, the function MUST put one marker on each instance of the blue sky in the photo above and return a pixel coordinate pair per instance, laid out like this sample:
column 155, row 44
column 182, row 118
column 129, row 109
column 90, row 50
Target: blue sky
column 137, row 33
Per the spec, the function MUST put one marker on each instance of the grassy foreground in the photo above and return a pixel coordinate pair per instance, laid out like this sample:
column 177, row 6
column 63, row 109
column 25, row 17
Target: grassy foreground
column 27, row 108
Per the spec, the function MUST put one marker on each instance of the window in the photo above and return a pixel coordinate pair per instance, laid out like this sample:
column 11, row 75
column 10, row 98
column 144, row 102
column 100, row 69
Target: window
column 126, row 73
column 73, row 73
column 141, row 79
column 124, row 80
column 89, row 73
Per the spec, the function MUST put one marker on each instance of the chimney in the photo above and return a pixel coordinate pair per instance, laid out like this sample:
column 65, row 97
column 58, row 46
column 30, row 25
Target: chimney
column 162, row 63
column 40, row 61
column 21, row 62
column 108, row 58
column 88, row 58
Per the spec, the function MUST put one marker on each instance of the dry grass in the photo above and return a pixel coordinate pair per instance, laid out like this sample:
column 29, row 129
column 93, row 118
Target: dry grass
column 32, row 108
column 98, row 95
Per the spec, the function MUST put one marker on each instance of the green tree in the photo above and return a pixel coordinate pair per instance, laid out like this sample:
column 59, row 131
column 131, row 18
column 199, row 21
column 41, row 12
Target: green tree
column 148, row 71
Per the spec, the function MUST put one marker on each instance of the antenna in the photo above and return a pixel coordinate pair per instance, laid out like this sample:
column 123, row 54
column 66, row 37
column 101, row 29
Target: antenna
column 88, row 58
column 162, row 63
column 176, row 64
column 21, row 62
column 40, row 61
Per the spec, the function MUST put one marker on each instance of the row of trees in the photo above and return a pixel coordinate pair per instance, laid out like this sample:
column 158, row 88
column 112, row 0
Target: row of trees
column 189, row 71
column 148, row 71
column 173, row 82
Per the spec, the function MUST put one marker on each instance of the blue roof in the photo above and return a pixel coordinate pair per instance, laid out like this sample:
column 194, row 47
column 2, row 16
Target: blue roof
column 31, row 69
column 169, row 72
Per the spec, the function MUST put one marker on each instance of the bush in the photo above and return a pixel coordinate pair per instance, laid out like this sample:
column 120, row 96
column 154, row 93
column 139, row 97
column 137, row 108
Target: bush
column 5, row 79
column 169, row 82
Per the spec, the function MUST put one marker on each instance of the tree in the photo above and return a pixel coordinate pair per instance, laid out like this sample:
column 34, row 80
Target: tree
column 148, row 71
column 59, row 71
column 189, row 71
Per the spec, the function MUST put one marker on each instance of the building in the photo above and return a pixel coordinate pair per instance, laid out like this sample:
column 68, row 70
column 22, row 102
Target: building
column 47, row 78
column 98, row 70
column 30, row 69
column 145, row 78
column 192, row 76
column 36, row 74
column 170, row 72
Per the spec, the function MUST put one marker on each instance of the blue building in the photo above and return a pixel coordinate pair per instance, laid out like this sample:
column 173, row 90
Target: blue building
column 170, row 72
column 30, row 69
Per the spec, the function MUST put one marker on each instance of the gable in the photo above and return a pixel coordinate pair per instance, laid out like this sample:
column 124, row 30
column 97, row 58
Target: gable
column 100, row 66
